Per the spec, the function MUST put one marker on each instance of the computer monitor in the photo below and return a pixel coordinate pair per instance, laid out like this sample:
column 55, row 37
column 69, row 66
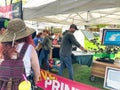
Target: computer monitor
column 111, row 37
column 89, row 35
column 112, row 78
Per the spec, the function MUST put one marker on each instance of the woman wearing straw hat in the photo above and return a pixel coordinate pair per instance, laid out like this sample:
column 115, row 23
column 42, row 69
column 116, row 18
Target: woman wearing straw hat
column 18, row 54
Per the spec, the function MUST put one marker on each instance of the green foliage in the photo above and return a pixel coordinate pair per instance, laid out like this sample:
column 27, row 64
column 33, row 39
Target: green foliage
column 89, row 45
column 99, row 25
column 100, row 54
column 23, row 1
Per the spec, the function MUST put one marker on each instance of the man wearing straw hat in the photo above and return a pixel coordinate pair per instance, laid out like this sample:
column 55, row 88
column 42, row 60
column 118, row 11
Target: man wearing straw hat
column 19, row 55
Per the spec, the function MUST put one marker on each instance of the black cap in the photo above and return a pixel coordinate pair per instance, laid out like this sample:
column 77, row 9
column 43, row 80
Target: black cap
column 73, row 26
column 3, row 22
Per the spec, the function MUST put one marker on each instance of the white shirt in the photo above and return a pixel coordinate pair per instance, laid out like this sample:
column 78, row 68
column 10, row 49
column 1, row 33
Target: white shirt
column 26, row 58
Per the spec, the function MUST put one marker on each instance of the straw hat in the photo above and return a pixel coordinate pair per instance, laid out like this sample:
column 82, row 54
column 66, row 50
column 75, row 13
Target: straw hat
column 16, row 29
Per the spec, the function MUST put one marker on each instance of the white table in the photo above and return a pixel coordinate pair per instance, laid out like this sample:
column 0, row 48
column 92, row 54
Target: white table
column 83, row 58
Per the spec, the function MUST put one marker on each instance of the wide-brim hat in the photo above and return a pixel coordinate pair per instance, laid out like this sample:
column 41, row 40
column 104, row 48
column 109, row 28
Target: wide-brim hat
column 16, row 29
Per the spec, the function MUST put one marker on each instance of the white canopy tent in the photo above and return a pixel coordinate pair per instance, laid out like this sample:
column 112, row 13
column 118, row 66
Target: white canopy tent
column 73, row 11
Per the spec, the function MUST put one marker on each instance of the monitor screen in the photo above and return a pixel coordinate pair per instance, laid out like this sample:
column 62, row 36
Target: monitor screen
column 111, row 37
column 89, row 35
column 112, row 78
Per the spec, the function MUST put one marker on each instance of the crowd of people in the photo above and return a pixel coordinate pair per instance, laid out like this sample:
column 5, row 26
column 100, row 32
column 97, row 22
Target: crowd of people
column 22, row 53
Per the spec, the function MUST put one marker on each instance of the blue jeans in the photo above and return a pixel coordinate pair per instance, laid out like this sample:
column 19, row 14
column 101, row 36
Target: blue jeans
column 66, row 61
column 44, row 55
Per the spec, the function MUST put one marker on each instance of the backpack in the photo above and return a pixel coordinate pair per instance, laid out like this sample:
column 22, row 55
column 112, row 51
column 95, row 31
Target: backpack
column 11, row 71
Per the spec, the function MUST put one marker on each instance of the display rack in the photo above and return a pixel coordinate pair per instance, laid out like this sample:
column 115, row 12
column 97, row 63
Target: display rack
column 110, row 38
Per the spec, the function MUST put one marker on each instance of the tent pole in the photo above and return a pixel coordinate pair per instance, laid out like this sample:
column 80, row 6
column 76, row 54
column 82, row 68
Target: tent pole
column 5, row 2
column 11, row 2
column 21, row 10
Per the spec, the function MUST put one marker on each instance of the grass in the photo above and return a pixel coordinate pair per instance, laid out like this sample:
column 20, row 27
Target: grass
column 82, row 74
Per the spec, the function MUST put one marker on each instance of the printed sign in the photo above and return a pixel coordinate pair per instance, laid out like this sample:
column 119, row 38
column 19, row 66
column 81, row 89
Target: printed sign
column 52, row 81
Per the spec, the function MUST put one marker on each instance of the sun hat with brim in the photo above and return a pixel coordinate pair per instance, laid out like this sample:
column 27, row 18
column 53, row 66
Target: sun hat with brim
column 16, row 29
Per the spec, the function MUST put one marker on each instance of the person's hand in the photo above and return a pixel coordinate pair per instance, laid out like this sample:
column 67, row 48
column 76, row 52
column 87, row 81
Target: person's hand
column 37, row 79
column 85, row 50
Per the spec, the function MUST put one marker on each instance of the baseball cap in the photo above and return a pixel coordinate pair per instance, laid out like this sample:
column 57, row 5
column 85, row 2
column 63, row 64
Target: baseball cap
column 3, row 22
column 73, row 26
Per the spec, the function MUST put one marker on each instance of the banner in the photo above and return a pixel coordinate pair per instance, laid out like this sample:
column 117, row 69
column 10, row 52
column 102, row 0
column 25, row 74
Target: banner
column 5, row 11
column 52, row 81
column 17, row 10
column 12, row 11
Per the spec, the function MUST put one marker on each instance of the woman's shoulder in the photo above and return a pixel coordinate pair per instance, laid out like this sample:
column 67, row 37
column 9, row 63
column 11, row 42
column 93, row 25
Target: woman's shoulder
column 20, row 45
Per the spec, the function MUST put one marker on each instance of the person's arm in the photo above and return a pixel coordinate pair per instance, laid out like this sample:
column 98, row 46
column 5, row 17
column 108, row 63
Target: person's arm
column 82, row 48
column 35, row 65
column 76, row 43
column 73, row 40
